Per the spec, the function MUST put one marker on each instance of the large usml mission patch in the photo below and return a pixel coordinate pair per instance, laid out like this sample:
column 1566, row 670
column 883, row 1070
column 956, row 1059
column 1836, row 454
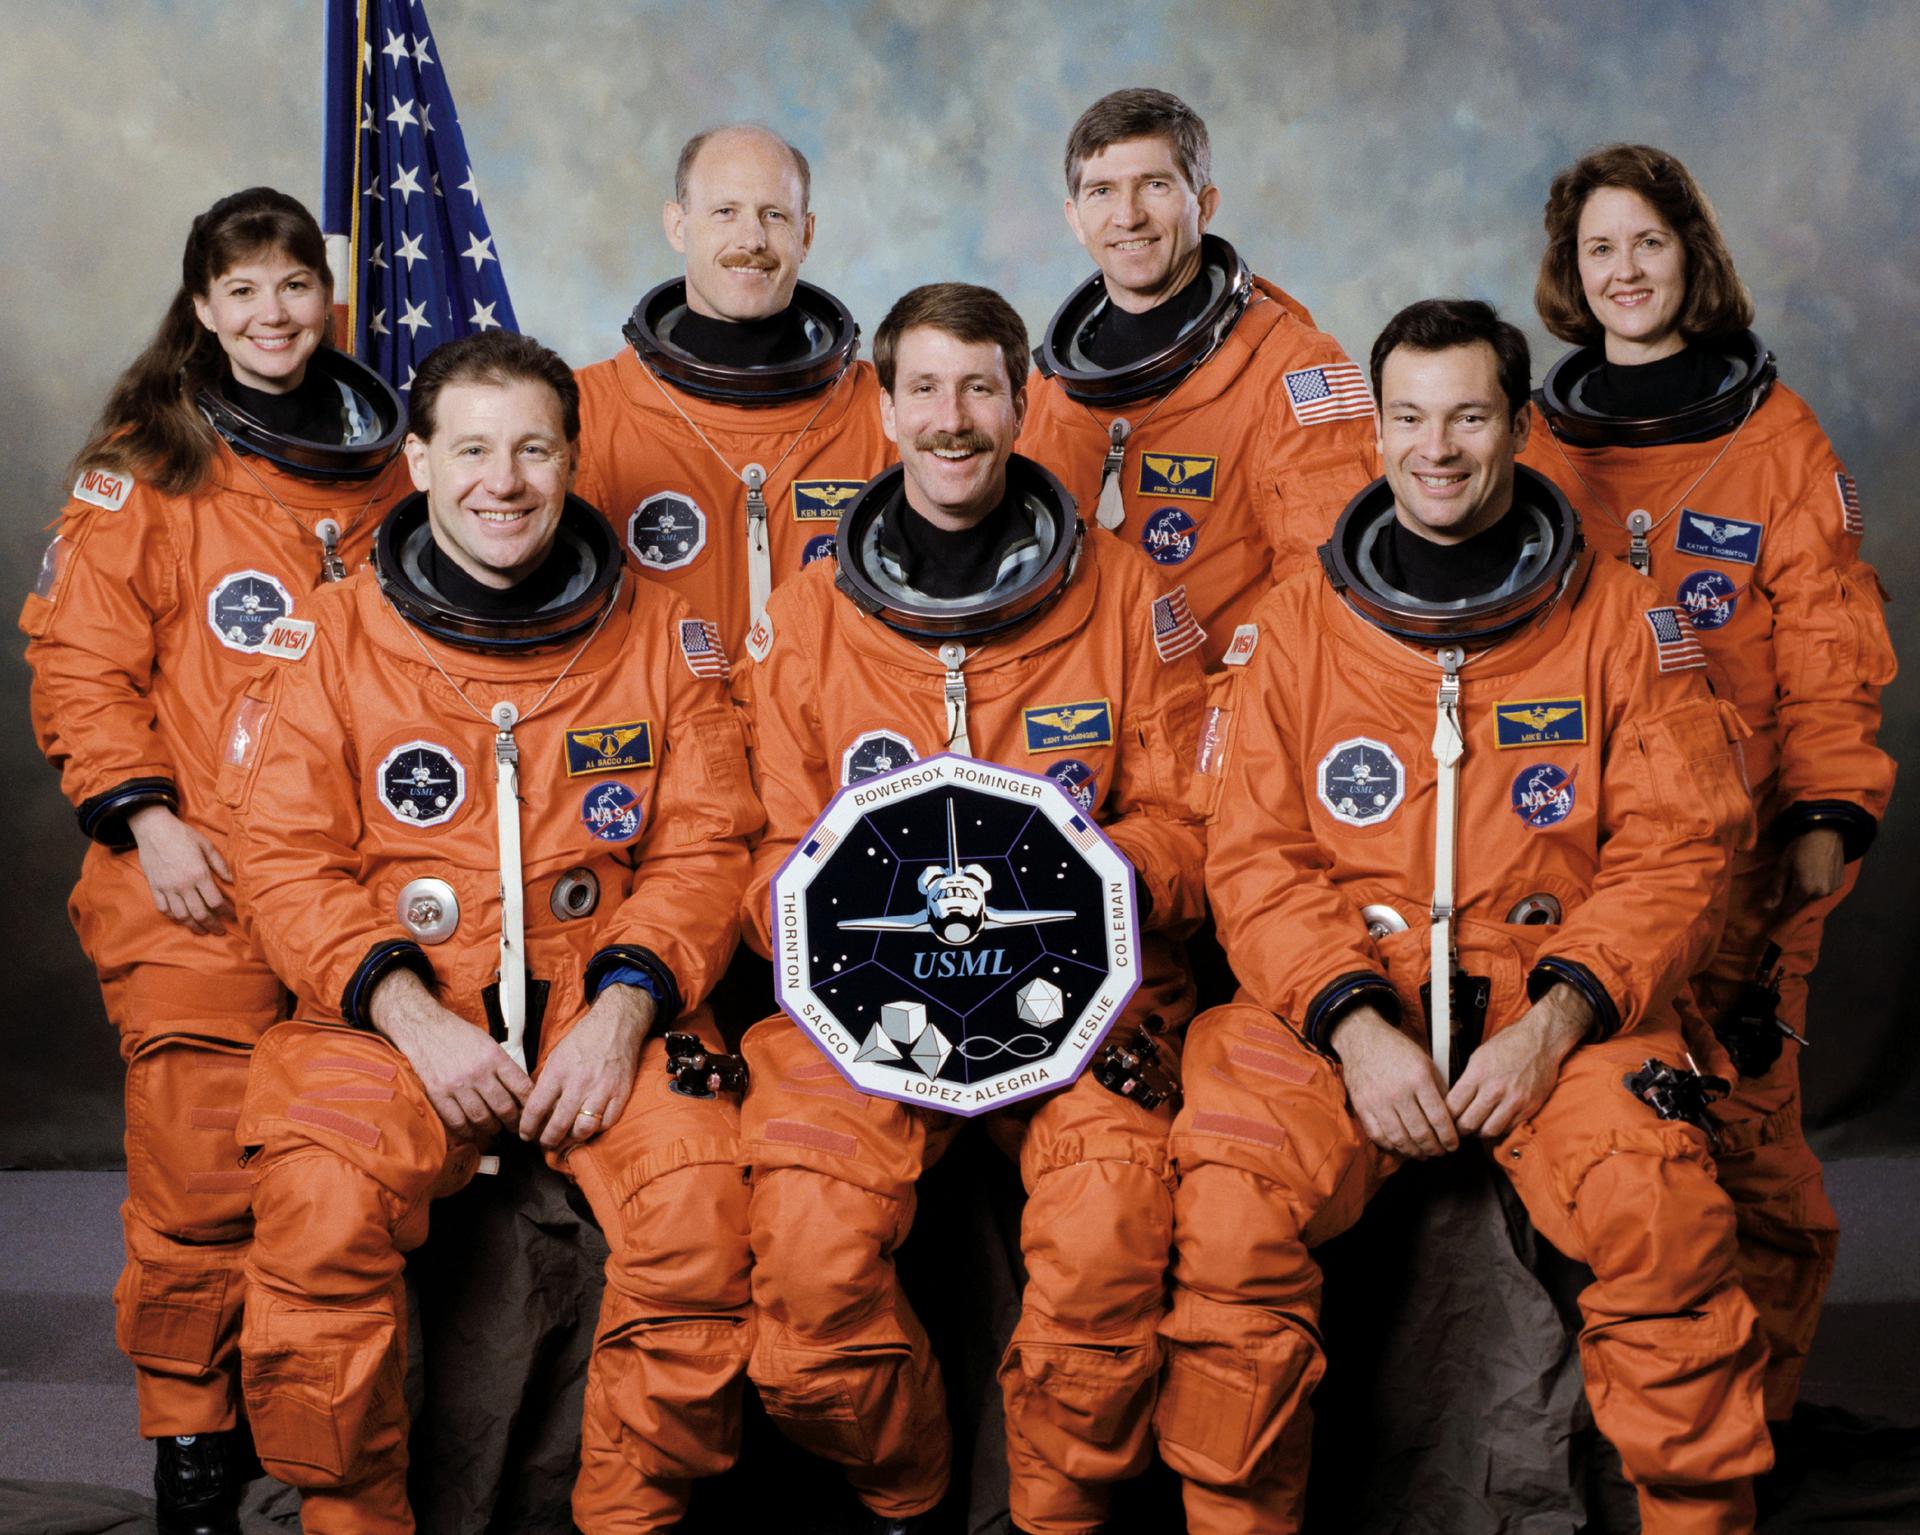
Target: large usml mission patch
column 956, row 935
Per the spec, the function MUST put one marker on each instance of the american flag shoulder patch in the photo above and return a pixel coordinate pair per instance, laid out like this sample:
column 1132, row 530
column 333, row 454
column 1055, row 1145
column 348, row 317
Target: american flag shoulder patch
column 1676, row 647
column 1332, row 391
column 700, row 647
column 1175, row 631
column 1850, row 519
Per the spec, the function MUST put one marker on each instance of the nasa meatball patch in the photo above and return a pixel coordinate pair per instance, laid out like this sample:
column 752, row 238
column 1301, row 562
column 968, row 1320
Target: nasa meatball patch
column 874, row 752
column 611, row 811
column 1543, row 795
column 1077, row 779
column 244, row 606
column 1169, row 536
column 667, row 531
column 1361, row 781
column 819, row 547
column 1709, row 597
column 421, row 783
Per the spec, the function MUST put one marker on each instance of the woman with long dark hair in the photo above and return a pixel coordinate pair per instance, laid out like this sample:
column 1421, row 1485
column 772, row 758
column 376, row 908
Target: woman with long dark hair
column 240, row 461
column 1670, row 431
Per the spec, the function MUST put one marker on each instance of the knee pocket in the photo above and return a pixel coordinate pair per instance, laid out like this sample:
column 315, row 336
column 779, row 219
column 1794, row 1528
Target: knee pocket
column 666, row 1389
column 171, row 1312
column 822, row 1249
column 313, row 1379
column 1236, row 1378
column 1091, row 1394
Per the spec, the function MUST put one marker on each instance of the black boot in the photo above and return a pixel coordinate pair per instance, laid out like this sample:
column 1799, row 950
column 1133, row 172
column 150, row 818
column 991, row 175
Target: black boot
column 912, row 1524
column 197, row 1482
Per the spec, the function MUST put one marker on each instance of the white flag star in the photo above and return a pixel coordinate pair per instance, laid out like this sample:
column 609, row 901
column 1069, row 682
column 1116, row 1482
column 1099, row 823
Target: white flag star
column 426, row 116
column 366, row 57
column 471, row 187
column 409, row 383
column 366, row 117
column 379, row 257
column 407, row 182
column 410, row 251
column 373, row 188
column 396, row 48
column 402, row 115
column 482, row 316
column 420, row 58
column 436, row 185
column 477, row 251
column 377, row 326
column 415, row 319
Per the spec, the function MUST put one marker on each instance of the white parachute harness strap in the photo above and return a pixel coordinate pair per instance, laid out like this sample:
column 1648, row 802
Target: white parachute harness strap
column 513, row 901
column 1112, row 511
column 506, row 815
column 953, row 657
column 759, row 545
column 1449, row 746
column 1639, row 524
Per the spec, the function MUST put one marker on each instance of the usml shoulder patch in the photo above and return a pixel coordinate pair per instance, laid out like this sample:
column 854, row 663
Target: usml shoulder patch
column 103, row 488
column 701, row 649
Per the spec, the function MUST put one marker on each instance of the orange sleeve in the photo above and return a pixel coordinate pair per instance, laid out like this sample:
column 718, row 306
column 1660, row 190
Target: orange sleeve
column 685, row 902
column 109, row 579
column 290, row 772
column 790, row 767
column 1833, row 652
column 1152, row 801
column 1295, row 941
column 1674, row 807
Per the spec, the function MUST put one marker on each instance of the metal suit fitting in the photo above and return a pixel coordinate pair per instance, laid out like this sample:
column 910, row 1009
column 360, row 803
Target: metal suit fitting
column 428, row 909
column 575, row 894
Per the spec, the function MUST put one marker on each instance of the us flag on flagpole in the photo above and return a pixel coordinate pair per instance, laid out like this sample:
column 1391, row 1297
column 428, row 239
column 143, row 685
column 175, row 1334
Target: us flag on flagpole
column 412, row 256
column 1327, row 393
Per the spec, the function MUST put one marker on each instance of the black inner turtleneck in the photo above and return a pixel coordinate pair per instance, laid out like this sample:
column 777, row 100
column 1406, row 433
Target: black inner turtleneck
column 311, row 411
column 948, row 565
column 1116, row 337
column 1450, row 572
column 1648, row 390
column 759, row 343
column 522, row 600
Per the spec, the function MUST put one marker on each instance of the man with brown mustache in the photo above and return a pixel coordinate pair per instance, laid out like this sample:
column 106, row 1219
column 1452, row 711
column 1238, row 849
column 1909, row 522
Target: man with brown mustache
column 724, row 440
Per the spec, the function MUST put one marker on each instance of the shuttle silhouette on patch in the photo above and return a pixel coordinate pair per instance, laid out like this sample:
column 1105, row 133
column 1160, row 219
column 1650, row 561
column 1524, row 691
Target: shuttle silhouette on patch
column 1361, row 781
column 955, row 934
column 666, row 531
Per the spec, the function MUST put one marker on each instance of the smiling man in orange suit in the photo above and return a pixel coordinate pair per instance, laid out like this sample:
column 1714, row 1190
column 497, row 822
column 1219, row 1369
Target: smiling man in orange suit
column 1190, row 407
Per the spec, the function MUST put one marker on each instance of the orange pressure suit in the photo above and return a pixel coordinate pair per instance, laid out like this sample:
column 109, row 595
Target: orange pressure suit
column 1597, row 772
column 151, row 613
column 360, row 770
column 1756, row 530
column 840, row 1360
column 678, row 502
column 1238, row 469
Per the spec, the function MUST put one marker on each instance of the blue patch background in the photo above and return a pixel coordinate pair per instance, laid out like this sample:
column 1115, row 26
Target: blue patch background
column 1740, row 541
column 1191, row 476
column 1543, row 795
column 230, row 612
column 674, row 546
column 1076, row 777
column 1169, row 536
column 611, row 811
column 820, row 548
column 1571, row 728
column 1045, row 736
column 1709, row 597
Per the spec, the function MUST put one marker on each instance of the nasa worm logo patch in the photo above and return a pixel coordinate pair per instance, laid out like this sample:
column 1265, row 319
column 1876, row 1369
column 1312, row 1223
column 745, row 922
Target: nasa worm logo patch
column 611, row 811
column 666, row 531
column 1543, row 795
column 421, row 783
column 1077, row 779
column 874, row 752
column 1709, row 596
column 1169, row 536
column 1361, row 781
column 244, row 606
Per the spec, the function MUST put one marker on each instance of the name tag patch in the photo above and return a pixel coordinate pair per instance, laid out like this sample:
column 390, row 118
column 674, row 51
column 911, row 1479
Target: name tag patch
column 1718, row 538
column 1055, row 727
column 823, row 500
column 610, row 748
column 1178, row 476
column 1539, row 721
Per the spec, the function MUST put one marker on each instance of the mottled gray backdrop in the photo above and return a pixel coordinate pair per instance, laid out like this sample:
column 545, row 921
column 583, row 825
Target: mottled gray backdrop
column 1370, row 154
